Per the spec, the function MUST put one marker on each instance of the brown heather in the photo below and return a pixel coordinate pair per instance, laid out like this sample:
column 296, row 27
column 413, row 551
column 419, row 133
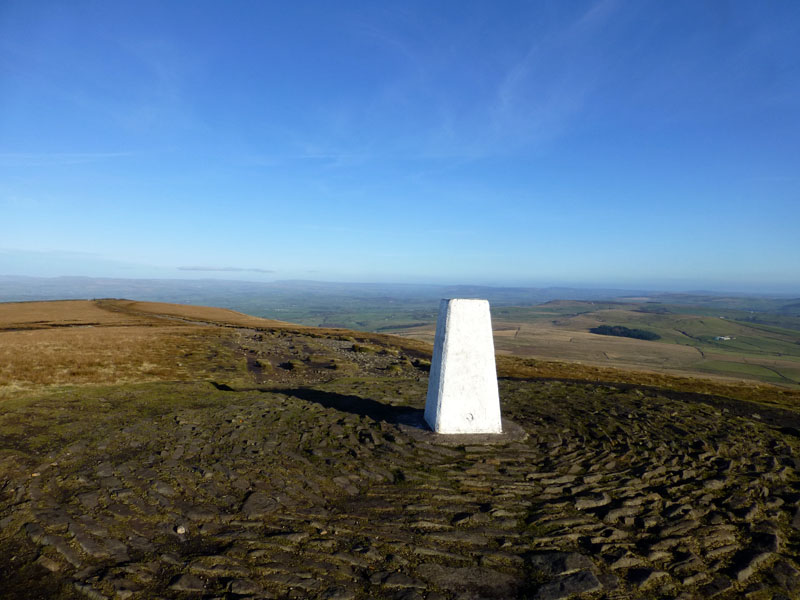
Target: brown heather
column 122, row 341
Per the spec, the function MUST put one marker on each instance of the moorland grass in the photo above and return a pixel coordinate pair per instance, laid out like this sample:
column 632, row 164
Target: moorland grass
column 133, row 342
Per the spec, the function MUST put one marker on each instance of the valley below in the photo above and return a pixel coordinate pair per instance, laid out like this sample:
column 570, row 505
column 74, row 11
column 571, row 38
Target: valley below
column 691, row 341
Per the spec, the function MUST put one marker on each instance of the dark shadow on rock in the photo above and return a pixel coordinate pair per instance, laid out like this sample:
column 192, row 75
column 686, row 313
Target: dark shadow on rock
column 222, row 387
column 409, row 420
column 793, row 431
column 378, row 411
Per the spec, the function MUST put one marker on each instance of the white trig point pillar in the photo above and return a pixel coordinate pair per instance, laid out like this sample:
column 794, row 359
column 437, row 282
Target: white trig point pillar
column 462, row 390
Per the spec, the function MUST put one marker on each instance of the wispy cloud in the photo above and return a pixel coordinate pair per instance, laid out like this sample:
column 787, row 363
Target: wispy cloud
column 513, row 100
column 159, row 98
column 52, row 159
column 225, row 269
column 553, row 80
column 328, row 159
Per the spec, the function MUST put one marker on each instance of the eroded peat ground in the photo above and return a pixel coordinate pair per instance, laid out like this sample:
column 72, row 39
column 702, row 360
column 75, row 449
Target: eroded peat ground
column 316, row 480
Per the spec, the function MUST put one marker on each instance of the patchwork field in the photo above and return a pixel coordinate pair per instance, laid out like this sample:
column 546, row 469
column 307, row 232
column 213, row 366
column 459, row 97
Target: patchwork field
column 160, row 451
column 690, row 344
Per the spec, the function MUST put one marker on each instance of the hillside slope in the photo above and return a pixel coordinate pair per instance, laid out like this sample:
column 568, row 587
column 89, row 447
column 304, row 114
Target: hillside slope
column 177, row 452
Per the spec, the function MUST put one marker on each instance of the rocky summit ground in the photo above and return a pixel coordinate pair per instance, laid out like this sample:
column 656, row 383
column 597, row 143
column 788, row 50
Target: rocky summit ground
column 319, row 480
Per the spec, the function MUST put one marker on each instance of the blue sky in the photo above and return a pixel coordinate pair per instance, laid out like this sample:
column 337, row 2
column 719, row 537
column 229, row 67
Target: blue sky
column 585, row 143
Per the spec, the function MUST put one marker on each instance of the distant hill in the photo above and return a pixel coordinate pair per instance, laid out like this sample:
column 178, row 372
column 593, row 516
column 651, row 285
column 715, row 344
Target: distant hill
column 792, row 309
column 224, row 293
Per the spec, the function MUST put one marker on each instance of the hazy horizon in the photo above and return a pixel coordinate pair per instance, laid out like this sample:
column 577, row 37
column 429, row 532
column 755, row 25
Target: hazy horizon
column 225, row 277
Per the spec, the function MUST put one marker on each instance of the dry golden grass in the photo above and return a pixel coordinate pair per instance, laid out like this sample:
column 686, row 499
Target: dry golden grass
column 118, row 341
column 106, row 355
column 181, row 313
column 100, row 342
column 41, row 315
column 205, row 314
column 121, row 341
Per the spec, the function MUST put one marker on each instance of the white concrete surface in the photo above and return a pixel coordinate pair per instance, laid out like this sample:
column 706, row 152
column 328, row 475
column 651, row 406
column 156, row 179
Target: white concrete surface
column 462, row 390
